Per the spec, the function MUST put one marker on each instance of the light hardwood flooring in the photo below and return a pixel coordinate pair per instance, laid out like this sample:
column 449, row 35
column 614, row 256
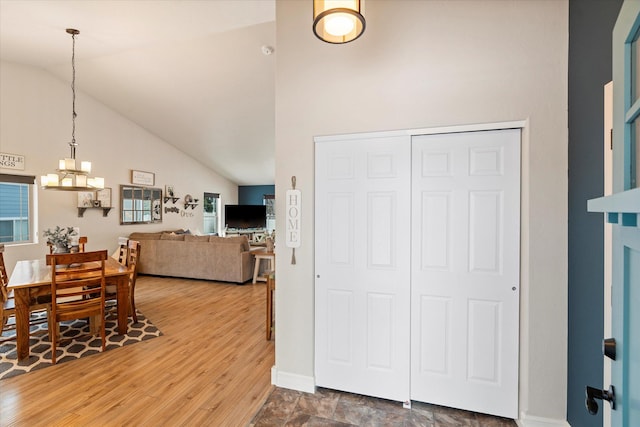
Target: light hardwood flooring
column 211, row 366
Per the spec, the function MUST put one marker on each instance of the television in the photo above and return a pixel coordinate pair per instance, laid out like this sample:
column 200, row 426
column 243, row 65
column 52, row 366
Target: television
column 245, row 216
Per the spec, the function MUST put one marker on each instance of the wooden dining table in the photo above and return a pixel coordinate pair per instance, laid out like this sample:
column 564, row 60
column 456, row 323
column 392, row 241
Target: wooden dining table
column 33, row 278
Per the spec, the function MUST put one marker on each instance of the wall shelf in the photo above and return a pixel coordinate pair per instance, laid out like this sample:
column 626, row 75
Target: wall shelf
column 105, row 211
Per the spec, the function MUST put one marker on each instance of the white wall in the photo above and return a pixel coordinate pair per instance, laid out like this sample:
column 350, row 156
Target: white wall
column 35, row 121
column 428, row 64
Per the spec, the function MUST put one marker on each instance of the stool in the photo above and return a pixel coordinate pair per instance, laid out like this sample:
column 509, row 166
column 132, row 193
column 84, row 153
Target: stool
column 270, row 257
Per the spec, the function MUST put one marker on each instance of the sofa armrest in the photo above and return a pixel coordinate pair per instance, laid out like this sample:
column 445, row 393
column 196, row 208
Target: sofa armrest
column 247, row 263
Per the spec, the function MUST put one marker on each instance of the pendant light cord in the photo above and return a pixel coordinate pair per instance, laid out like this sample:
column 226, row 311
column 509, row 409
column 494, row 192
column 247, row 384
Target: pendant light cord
column 73, row 143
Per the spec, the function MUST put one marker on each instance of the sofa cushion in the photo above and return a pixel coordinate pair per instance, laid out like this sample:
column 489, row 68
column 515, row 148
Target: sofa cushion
column 194, row 238
column 145, row 236
column 171, row 236
column 241, row 240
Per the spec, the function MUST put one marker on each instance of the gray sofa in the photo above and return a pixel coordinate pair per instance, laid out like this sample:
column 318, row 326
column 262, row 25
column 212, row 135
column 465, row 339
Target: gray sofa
column 227, row 259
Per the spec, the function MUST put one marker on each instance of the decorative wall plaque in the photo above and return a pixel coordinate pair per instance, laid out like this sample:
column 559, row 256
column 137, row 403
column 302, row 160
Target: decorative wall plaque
column 142, row 178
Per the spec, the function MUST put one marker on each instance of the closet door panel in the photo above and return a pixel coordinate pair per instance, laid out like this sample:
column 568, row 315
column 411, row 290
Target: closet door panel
column 362, row 285
column 465, row 270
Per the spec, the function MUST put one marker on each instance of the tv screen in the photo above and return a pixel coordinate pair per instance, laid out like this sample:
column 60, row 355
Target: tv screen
column 245, row 216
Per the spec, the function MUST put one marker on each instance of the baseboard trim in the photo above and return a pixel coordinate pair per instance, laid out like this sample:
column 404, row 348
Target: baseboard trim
column 292, row 381
column 531, row 421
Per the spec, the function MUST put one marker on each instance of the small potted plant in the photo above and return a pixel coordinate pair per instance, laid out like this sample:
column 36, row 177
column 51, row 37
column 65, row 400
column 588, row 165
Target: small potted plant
column 59, row 238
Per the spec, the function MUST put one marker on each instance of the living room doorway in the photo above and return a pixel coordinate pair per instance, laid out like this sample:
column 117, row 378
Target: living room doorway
column 210, row 214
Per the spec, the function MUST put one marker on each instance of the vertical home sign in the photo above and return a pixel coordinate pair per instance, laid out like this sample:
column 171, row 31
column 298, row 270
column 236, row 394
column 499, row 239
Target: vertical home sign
column 292, row 202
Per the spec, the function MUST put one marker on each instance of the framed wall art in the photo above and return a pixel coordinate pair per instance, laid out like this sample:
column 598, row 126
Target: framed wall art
column 86, row 198
column 104, row 197
column 143, row 178
column 140, row 205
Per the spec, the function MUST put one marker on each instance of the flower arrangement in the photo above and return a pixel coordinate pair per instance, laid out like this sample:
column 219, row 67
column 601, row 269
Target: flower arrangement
column 59, row 236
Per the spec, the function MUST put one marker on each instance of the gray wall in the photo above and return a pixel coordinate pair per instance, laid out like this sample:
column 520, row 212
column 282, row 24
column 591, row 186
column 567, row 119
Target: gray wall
column 429, row 64
column 590, row 26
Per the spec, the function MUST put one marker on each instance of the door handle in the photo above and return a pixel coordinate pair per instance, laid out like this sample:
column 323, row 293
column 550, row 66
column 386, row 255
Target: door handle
column 595, row 393
column 609, row 348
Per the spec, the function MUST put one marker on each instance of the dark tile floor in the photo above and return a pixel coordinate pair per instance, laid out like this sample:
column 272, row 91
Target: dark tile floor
column 332, row 408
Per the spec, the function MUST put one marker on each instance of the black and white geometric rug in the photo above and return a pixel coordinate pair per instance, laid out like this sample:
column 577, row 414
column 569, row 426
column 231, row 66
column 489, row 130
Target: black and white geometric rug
column 70, row 348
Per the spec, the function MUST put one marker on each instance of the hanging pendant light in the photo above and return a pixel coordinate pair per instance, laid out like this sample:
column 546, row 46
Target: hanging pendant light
column 69, row 176
column 338, row 21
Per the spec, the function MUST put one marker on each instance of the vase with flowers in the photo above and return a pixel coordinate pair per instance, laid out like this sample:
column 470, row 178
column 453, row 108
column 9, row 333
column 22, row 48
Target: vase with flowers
column 59, row 238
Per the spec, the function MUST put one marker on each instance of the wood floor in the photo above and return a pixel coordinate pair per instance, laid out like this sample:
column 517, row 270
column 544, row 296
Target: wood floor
column 211, row 366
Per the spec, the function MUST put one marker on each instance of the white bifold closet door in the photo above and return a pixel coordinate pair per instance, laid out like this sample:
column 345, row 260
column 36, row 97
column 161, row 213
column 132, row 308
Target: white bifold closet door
column 362, row 266
column 417, row 268
column 465, row 270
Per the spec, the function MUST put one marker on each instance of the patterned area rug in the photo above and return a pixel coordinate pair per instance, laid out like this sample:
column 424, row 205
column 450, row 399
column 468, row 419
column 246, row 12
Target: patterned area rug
column 70, row 348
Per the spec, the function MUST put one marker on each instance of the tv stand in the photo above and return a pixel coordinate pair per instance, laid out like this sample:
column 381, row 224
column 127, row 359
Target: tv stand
column 251, row 233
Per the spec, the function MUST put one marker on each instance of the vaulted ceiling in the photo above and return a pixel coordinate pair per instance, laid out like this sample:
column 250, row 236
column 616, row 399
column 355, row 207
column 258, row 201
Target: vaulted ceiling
column 191, row 72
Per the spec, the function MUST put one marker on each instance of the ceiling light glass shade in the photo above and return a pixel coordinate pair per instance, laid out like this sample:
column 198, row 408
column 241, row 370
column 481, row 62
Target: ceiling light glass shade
column 71, row 179
column 81, row 180
column 68, row 176
column 338, row 21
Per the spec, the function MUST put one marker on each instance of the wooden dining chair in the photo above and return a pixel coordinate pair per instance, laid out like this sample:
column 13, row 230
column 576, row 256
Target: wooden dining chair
column 122, row 252
column 133, row 256
column 128, row 255
column 4, row 294
column 8, row 304
column 82, row 241
column 3, row 270
column 77, row 291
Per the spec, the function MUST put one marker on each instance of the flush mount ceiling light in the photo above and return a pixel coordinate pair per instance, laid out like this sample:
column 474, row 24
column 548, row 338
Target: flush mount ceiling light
column 338, row 21
column 68, row 176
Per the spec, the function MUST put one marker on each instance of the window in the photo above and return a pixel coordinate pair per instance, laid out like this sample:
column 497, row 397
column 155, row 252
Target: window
column 269, row 200
column 211, row 208
column 16, row 202
column 632, row 115
column 140, row 205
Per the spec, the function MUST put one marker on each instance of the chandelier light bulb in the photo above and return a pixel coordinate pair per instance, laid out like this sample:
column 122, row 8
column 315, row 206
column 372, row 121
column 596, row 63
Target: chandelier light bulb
column 338, row 21
column 85, row 166
column 99, row 182
column 50, row 180
column 339, row 24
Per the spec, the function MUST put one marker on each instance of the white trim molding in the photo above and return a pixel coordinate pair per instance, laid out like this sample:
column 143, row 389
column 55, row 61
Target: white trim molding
column 292, row 381
column 532, row 421
column 516, row 124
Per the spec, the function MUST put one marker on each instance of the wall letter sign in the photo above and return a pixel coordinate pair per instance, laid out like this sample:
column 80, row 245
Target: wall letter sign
column 11, row 161
column 292, row 229
column 293, row 219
